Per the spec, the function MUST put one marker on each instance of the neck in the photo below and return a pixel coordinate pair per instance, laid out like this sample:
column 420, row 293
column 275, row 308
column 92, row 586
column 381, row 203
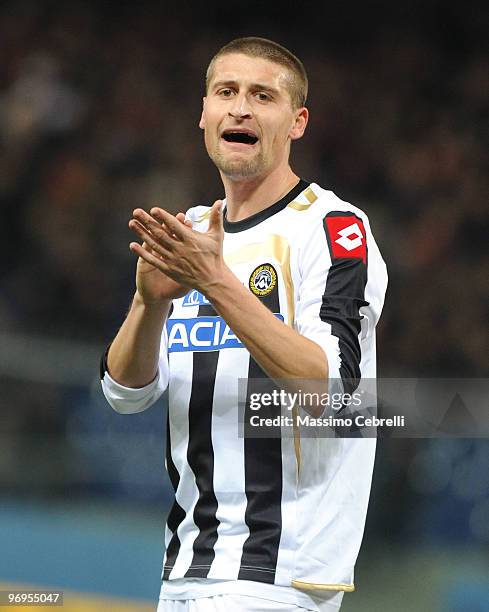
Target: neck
column 246, row 197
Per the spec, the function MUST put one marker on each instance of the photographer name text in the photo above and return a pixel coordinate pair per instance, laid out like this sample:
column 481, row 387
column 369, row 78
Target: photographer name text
column 360, row 420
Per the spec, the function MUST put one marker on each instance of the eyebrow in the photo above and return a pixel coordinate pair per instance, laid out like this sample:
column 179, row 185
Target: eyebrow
column 255, row 86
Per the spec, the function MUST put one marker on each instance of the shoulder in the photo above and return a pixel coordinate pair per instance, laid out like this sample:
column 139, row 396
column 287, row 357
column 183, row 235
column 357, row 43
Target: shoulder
column 319, row 214
column 328, row 221
column 323, row 202
column 346, row 230
column 199, row 215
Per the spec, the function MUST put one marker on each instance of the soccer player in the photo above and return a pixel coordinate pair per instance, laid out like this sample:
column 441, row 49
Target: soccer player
column 280, row 280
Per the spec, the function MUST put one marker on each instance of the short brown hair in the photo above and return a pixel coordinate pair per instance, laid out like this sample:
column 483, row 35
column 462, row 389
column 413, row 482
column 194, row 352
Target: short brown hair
column 272, row 51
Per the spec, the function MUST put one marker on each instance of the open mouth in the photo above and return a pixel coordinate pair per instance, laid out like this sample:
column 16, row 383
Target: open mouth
column 241, row 137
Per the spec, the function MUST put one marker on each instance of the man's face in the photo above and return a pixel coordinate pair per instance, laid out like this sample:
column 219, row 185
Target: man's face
column 248, row 118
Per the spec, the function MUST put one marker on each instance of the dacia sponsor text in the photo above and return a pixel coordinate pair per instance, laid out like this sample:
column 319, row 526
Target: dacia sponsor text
column 202, row 334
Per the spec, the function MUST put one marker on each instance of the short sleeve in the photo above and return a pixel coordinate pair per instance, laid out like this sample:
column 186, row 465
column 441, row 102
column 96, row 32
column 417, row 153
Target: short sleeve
column 126, row 400
column 333, row 275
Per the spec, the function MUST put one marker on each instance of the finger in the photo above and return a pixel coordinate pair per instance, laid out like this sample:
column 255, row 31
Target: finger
column 215, row 217
column 187, row 222
column 146, row 247
column 159, row 232
column 181, row 217
column 157, row 229
column 154, row 226
column 151, row 242
column 173, row 225
column 145, row 218
column 149, row 257
column 158, row 244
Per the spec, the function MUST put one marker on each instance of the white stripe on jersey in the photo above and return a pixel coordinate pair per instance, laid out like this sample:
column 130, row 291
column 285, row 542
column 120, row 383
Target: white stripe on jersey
column 229, row 469
column 288, row 538
column 187, row 492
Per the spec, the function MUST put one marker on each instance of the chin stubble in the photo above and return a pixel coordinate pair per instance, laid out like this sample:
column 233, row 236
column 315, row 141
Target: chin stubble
column 239, row 169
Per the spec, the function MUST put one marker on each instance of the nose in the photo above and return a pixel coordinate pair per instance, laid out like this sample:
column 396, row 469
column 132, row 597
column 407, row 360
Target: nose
column 241, row 108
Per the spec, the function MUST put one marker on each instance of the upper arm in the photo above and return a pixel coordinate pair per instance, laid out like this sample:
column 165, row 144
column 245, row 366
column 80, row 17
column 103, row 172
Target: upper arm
column 333, row 273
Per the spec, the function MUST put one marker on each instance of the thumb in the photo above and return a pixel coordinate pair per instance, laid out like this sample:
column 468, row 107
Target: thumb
column 215, row 218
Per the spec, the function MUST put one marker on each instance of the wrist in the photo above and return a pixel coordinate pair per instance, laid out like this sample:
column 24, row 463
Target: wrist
column 222, row 283
column 158, row 306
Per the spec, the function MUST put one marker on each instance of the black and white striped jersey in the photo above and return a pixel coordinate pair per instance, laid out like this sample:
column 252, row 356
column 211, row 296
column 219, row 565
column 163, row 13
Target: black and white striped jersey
column 273, row 510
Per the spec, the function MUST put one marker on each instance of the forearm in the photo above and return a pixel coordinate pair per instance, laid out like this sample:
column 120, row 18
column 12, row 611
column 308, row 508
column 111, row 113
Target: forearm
column 285, row 354
column 133, row 356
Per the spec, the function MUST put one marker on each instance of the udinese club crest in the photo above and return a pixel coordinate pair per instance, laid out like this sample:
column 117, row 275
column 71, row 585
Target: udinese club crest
column 263, row 280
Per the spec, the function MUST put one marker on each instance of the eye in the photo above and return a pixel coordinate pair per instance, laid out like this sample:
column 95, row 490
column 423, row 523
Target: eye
column 226, row 92
column 262, row 96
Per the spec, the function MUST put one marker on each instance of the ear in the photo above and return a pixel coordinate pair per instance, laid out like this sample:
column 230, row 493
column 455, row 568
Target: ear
column 202, row 120
column 300, row 122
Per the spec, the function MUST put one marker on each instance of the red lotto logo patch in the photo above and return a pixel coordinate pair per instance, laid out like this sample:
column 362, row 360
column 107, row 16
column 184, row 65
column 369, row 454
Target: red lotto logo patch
column 347, row 237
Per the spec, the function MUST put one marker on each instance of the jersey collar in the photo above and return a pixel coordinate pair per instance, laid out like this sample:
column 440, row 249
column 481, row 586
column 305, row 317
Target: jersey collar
column 233, row 227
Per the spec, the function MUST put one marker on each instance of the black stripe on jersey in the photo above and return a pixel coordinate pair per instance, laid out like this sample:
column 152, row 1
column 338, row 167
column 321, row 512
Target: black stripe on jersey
column 263, row 484
column 177, row 513
column 343, row 297
column 200, row 456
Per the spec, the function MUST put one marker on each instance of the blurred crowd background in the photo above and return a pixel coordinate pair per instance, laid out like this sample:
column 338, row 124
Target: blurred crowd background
column 99, row 107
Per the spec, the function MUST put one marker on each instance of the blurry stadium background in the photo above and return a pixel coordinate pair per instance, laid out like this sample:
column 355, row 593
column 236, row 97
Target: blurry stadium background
column 99, row 107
